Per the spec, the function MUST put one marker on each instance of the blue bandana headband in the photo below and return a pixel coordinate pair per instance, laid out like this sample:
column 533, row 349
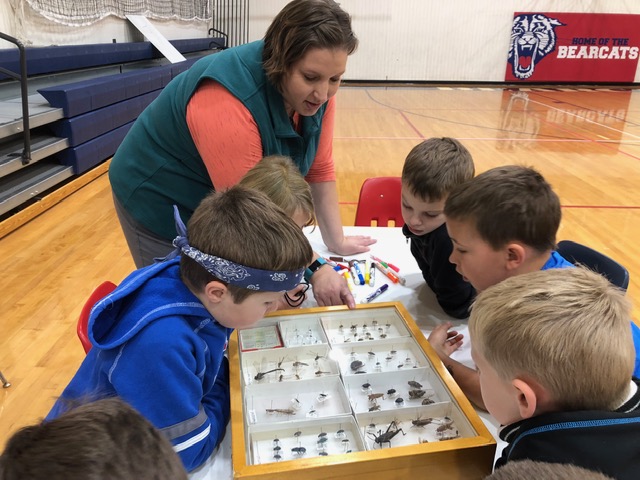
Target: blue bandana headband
column 234, row 273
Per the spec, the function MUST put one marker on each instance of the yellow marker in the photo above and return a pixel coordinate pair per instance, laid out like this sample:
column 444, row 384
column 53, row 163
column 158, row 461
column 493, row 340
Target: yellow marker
column 349, row 280
column 366, row 272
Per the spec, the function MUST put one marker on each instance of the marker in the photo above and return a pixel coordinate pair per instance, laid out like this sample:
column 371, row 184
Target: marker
column 354, row 273
column 372, row 274
column 376, row 294
column 390, row 275
column 385, row 264
column 358, row 272
column 367, row 273
column 337, row 259
column 349, row 280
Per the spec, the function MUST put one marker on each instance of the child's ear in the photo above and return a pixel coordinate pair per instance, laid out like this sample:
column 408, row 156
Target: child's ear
column 515, row 255
column 527, row 397
column 215, row 291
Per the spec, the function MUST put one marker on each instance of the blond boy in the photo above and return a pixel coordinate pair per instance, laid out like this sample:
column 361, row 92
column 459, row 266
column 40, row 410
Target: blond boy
column 555, row 355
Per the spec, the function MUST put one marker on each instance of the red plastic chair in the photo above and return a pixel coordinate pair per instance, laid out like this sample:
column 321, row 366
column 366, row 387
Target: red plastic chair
column 380, row 202
column 101, row 291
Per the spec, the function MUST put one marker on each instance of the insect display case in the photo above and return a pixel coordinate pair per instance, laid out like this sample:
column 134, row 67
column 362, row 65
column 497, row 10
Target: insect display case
column 329, row 392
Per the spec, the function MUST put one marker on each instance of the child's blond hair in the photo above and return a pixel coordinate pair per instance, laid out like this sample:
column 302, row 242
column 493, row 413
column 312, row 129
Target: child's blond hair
column 568, row 329
column 279, row 178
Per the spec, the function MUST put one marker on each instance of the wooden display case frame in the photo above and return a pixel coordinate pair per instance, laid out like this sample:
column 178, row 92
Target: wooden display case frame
column 460, row 458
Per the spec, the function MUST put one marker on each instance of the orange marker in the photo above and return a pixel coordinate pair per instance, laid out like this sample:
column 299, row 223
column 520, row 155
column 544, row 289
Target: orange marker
column 390, row 275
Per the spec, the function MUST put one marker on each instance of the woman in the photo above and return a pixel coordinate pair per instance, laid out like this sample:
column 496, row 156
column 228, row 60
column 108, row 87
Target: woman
column 215, row 121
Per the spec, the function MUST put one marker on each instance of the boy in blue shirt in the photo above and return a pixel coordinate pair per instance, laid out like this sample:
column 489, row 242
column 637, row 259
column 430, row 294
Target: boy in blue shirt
column 159, row 339
column 502, row 223
column 431, row 170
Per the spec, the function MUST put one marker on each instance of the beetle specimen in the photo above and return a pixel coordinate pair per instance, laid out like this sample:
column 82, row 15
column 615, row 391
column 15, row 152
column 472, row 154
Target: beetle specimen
column 414, row 384
column 323, row 453
column 299, row 451
column 374, row 408
column 300, row 364
column 356, row 365
column 399, row 401
column 366, row 386
column 340, row 433
column 297, row 434
column 261, row 375
column 391, row 392
column 427, row 401
column 277, row 457
column 386, row 437
column 416, row 393
column 319, row 373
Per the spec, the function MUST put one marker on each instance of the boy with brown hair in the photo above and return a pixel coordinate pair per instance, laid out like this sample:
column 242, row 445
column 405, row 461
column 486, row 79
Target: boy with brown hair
column 99, row 440
column 431, row 171
column 159, row 339
column 502, row 223
column 555, row 356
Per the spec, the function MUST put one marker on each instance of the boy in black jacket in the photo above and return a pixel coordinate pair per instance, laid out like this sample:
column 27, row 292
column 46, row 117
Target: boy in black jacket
column 431, row 170
column 555, row 357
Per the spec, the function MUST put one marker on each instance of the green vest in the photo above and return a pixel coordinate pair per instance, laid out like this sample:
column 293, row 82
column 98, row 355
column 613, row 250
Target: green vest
column 158, row 165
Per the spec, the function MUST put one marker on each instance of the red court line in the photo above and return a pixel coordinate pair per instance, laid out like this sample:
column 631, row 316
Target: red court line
column 411, row 124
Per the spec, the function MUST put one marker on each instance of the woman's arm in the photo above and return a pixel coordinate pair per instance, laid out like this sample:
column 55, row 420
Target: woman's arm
column 325, row 200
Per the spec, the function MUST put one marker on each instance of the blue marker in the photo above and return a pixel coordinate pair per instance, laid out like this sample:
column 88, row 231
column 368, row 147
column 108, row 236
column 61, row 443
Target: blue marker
column 359, row 273
column 376, row 294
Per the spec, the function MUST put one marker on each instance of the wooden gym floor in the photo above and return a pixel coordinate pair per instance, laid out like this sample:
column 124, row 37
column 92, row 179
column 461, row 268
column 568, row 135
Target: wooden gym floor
column 586, row 142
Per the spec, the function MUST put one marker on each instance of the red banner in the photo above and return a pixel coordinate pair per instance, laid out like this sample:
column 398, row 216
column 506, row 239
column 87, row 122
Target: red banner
column 573, row 47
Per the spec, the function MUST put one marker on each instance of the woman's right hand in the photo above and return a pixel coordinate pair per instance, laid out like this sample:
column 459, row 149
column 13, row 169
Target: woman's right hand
column 353, row 244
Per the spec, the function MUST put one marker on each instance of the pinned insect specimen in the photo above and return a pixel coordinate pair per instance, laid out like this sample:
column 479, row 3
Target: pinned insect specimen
column 340, row 433
column 323, row 453
column 277, row 457
column 323, row 397
column 356, row 365
column 385, row 437
column 276, row 442
column 319, row 373
column 374, row 408
column 375, row 396
column 372, row 355
column 300, row 364
column 297, row 434
column 322, row 440
column 366, row 386
column 261, row 375
column 416, row 393
column 281, row 411
column 399, row 402
column 427, row 401
column 299, row 451
column 414, row 384
column 322, row 434
column 391, row 392
column 421, row 422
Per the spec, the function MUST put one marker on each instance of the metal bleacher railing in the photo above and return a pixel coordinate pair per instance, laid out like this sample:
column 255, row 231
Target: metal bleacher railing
column 22, row 78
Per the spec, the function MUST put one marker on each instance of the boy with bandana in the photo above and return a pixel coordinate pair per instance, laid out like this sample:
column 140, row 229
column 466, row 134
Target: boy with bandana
column 159, row 339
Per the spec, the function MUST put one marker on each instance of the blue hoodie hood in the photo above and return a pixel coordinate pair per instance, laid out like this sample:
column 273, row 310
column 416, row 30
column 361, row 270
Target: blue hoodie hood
column 146, row 295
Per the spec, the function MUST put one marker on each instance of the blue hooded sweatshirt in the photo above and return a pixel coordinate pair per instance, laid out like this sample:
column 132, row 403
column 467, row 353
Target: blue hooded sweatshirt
column 160, row 350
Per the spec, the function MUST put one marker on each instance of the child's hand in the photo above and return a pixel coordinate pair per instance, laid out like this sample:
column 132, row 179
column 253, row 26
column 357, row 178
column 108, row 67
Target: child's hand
column 445, row 342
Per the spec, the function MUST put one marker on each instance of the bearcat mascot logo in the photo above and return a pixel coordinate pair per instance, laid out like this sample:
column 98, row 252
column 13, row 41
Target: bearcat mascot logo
column 533, row 37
